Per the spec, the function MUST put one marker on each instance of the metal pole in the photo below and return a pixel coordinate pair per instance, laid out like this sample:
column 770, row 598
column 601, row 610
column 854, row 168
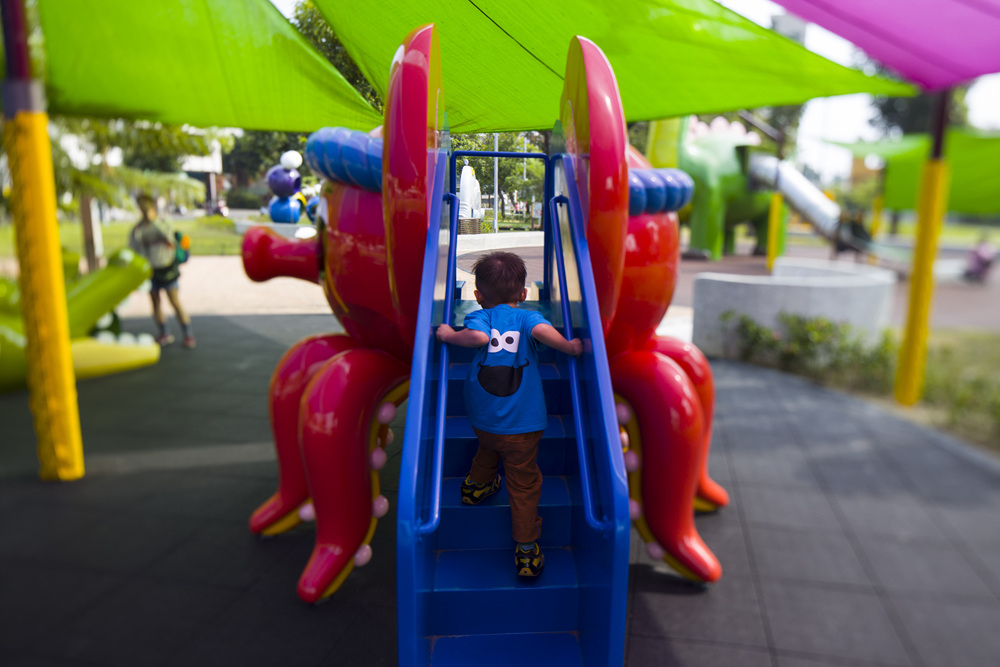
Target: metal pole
column 496, row 184
column 51, row 382
column 932, row 207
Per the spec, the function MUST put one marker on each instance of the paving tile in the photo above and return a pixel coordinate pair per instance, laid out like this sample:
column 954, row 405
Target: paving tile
column 29, row 660
column 219, row 553
column 857, row 472
column 105, row 492
column 157, row 567
column 718, row 463
column 667, row 607
column 372, row 640
column 754, row 431
column 921, row 567
column 266, row 630
column 973, row 522
column 33, row 531
column 845, row 624
column 374, row 585
column 724, row 535
column 206, row 496
column 902, row 516
column 784, row 465
column 35, row 598
column 20, row 492
column 789, row 507
column 647, row 651
column 123, row 543
column 988, row 558
column 143, row 623
column 825, row 558
column 283, row 578
column 266, row 470
column 947, row 632
column 798, row 660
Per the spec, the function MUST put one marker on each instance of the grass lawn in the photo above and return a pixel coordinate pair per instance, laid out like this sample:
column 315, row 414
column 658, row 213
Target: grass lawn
column 962, row 393
column 209, row 236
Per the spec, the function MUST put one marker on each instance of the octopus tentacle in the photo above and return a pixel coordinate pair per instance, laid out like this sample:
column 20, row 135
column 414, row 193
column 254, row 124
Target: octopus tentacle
column 669, row 420
column 336, row 414
column 709, row 496
column 291, row 376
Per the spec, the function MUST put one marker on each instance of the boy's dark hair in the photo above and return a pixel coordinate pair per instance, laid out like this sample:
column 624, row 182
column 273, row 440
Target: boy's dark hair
column 500, row 278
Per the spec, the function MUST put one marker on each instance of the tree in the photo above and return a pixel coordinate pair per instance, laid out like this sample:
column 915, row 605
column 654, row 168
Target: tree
column 145, row 146
column 515, row 175
column 311, row 24
column 93, row 176
column 896, row 116
column 256, row 151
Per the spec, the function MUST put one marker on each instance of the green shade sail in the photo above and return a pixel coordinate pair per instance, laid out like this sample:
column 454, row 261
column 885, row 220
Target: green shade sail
column 240, row 63
column 503, row 60
column 235, row 63
column 974, row 158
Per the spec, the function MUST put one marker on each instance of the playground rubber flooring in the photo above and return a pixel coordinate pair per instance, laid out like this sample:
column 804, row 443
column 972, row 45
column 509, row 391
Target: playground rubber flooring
column 853, row 538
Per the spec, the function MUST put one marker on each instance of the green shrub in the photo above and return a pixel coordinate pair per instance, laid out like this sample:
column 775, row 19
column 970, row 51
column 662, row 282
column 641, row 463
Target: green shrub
column 962, row 376
column 244, row 199
column 813, row 347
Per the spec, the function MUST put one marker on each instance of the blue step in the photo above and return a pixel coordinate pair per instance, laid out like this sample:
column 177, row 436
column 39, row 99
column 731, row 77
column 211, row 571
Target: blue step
column 461, row 445
column 488, row 525
column 549, row 649
column 477, row 591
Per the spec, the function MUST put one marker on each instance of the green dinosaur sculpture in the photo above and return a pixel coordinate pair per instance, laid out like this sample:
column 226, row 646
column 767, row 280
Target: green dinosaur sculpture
column 88, row 300
column 716, row 160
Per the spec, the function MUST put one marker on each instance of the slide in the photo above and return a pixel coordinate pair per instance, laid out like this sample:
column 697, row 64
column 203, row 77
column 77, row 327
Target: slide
column 459, row 594
column 816, row 208
column 89, row 300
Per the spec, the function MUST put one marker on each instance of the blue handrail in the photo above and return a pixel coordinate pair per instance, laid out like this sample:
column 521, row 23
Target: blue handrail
column 442, row 400
column 589, row 515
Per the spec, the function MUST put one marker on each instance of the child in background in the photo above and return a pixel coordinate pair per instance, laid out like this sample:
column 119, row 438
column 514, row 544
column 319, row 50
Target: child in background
column 503, row 396
column 155, row 244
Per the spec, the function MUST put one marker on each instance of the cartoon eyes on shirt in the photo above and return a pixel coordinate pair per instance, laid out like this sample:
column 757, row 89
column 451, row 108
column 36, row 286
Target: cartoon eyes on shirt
column 506, row 341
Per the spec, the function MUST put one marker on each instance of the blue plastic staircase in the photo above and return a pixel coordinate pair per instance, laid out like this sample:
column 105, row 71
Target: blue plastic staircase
column 459, row 598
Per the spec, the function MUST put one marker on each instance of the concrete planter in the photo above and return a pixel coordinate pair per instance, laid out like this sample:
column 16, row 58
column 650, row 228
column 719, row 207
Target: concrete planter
column 859, row 295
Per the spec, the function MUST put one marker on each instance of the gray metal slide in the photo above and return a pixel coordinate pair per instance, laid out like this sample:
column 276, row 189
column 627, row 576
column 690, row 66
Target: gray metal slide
column 808, row 200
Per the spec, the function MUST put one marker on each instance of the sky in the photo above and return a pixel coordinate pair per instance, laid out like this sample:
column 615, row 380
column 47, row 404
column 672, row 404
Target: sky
column 842, row 118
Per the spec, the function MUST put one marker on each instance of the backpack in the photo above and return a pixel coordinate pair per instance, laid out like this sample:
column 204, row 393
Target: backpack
column 183, row 245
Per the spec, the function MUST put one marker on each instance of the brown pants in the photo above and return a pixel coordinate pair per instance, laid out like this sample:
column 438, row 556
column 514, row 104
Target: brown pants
column 519, row 452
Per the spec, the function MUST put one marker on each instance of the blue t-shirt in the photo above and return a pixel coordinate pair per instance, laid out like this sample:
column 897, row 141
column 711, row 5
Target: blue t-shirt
column 503, row 391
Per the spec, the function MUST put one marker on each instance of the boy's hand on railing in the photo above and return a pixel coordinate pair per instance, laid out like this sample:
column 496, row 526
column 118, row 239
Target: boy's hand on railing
column 548, row 335
column 444, row 332
column 575, row 347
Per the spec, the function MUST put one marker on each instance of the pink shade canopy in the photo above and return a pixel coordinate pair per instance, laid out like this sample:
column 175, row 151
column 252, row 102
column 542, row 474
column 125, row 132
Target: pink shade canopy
column 934, row 43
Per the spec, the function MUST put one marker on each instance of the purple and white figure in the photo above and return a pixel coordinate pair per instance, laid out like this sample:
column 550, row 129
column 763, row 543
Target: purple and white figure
column 285, row 182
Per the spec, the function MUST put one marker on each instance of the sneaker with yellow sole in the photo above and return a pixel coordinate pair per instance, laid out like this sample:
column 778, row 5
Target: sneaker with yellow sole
column 473, row 494
column 529, row 563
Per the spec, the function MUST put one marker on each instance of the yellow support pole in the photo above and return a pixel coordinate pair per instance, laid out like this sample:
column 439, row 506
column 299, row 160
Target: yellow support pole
column 774, row 229
column 913, row 352
column 51, row 382
column 878, row 205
